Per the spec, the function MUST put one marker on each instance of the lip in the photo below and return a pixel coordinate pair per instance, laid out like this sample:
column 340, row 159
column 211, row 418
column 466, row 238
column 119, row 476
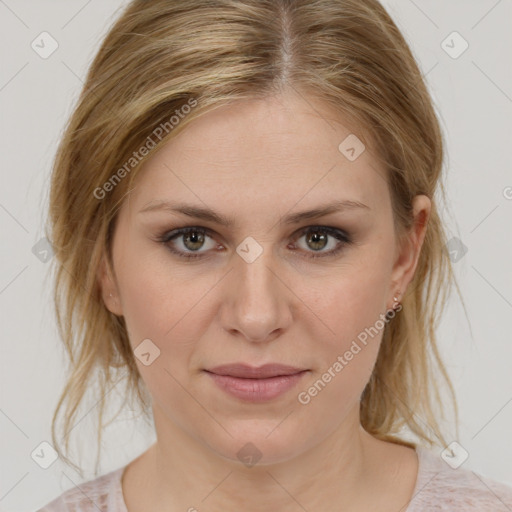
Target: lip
column 246, row 371
column 256, row 384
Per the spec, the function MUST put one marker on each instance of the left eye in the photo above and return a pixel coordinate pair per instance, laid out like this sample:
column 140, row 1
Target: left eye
column 192, row 239
column 317, row 238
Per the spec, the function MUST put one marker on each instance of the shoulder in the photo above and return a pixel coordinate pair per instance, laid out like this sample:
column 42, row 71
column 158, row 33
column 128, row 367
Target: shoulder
column 439, row 487
column 98, row 495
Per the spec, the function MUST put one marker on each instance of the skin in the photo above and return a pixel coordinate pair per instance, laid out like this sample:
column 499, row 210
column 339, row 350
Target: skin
column 259, row 161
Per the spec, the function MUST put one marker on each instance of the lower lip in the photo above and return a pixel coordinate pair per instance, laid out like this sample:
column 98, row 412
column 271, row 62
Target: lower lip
column 256, row 390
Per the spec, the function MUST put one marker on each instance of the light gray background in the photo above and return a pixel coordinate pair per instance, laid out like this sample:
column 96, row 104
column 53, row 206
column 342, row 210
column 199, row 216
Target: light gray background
column 473, row 94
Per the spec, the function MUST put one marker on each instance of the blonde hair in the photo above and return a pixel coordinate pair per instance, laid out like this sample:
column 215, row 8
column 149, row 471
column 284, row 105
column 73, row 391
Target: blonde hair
column 162, row 55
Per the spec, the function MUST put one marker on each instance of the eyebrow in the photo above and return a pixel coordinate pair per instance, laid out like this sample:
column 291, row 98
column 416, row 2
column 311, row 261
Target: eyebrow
column 208, row 214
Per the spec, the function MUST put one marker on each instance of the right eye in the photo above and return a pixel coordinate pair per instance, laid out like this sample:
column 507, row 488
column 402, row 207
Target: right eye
column 190, row 238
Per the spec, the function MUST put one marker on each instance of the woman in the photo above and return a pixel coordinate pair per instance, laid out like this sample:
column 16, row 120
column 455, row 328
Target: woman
column 243, row 209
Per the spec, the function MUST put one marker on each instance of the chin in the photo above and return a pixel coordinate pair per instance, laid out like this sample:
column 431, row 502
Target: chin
column 259, row 442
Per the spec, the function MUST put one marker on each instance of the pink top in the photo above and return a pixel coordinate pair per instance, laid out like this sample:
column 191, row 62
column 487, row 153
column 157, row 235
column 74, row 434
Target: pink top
column 438, row 488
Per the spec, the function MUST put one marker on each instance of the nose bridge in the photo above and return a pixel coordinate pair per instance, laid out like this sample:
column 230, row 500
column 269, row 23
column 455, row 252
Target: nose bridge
column 257, row 303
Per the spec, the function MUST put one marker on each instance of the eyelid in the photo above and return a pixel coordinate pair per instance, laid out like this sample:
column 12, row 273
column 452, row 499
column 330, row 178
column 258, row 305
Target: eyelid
column 330, row 230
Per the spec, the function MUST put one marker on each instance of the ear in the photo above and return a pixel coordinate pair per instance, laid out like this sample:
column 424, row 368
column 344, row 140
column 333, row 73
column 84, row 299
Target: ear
column 108, row 287
column 409, row 249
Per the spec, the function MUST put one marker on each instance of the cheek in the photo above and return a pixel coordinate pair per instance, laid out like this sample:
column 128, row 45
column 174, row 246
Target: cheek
column 161, row 306
column 169, row 304
column 155, row 293
column 349, row 302
column 351, row 306
column 345, row 359
column 152, row 311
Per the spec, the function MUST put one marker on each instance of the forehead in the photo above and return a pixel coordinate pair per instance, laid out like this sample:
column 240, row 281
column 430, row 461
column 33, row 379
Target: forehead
column 268, row 152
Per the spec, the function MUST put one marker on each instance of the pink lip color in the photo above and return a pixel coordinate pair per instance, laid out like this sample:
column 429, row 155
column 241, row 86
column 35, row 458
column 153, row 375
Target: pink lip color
column 256, row 384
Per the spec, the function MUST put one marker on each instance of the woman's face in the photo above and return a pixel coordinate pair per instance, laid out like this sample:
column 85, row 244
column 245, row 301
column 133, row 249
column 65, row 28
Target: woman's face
column 269, row 287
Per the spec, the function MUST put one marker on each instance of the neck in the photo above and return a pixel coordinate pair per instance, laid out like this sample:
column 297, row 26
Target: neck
column 191, row 476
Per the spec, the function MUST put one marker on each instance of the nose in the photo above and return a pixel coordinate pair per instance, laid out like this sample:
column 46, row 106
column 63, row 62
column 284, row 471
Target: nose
column 256, row 303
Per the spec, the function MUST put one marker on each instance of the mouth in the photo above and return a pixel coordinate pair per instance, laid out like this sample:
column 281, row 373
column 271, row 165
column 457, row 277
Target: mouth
column 244, row 371
column 256, row 384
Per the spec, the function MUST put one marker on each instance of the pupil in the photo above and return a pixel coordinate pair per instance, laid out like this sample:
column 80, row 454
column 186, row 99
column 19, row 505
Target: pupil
column 315, row 238
column 195, row 238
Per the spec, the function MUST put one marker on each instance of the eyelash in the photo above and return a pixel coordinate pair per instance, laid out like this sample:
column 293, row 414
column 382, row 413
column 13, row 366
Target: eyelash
column 343, row 238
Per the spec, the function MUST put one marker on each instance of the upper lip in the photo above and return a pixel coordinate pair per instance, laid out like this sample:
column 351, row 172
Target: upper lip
column 243, row 370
